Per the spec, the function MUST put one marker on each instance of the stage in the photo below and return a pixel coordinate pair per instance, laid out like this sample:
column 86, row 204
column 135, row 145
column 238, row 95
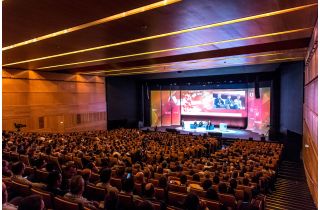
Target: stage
column 228, row 133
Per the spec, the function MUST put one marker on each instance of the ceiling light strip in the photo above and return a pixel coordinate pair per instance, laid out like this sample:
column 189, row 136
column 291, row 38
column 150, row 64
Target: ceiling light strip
column 94, row 23
column 177, row 48
column 191, row 62
column 172, row 33
column 284, row 59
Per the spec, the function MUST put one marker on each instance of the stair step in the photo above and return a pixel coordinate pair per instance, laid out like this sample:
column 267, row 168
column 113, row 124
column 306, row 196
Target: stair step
column 295, row 197
column 291, row 177
column 291, row 189
column 299, row 205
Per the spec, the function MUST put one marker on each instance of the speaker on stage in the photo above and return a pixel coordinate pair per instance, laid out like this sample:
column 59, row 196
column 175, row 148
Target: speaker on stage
column 257, row 89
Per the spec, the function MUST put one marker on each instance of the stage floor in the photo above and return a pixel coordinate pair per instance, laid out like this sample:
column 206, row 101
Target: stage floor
column 229, row 133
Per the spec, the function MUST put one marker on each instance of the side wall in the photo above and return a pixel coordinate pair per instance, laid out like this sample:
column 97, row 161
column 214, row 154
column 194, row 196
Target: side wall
column 291, row 97
column 310, row 117
column 49, row 102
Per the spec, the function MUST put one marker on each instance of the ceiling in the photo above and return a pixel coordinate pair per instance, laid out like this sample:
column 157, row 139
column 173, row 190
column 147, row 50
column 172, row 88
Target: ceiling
column 158, row 36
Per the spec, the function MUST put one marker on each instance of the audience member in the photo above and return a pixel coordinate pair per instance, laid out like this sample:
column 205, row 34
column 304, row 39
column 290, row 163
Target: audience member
column 33, row 202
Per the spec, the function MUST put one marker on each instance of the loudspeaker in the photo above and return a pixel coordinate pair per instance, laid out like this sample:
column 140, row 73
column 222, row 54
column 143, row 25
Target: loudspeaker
column 256, row 90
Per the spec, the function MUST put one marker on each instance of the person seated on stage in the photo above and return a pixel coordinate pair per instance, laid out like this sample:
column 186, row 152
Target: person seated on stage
column 229, row 104
column 200, row 124
column 195, row 124
column 237, row 103
column 218, row 102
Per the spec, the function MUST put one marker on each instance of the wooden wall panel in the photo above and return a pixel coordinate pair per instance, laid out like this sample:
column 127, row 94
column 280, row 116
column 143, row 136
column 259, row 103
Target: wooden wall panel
column 58, row 98
column 310, row 117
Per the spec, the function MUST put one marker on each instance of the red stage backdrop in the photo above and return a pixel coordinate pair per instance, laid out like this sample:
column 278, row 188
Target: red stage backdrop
column 259, row 111
column 167, row 106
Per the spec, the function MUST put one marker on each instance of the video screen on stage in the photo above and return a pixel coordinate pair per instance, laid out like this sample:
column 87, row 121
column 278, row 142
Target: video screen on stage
column 235, row 107
column 222, row 103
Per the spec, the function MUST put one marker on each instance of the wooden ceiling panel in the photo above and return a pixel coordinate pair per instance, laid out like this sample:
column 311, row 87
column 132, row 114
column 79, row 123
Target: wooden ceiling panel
column 164, row 43
column 247, row 59
column 48, row 16
column 27, row 19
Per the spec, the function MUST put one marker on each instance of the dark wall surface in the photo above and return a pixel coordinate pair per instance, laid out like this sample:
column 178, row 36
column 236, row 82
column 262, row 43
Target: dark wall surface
column 291, row 96
column 122, row 102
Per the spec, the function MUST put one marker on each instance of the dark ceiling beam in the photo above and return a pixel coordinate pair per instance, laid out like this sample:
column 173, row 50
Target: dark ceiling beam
column 250, row 49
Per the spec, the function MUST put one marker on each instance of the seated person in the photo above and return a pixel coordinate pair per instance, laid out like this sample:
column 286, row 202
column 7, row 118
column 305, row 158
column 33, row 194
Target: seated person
column 18, row 170
column 223, row 188
column 192, row 202
column 196, row 186
column 195, row 124
column 5, row 204
column 105, row 176
column 54, row 183
column 200, row 124
column 233, row 186
column 86, row 175
column 76, row 191
column 149, row 195
column 212, row 194
column 5, row 169
column 33, row 202
column 68, row 172
column 206, row 184
column 183, row 180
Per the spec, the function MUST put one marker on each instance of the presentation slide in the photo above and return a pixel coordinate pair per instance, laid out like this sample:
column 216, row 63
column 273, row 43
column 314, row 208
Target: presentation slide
column 223, row 103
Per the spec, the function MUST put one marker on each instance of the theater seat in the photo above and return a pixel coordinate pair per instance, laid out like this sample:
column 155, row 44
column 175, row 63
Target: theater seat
column 228, row 200
column 41, row 176
column 160, row 194
column 116, row 182
column 94, row 178
column 20, row 189
column 46, row 196
column 212, row 205
column 124, row 201
column 25, row 159
column 94, row 193
column 200, row 193
column 176, row 199
column 239, row 194
column 61, row 203
column 155, row 182
column 156, row 205
column 138, row 188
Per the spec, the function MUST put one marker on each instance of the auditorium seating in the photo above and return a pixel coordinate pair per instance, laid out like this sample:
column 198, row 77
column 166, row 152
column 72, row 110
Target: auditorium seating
column 164, row 163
